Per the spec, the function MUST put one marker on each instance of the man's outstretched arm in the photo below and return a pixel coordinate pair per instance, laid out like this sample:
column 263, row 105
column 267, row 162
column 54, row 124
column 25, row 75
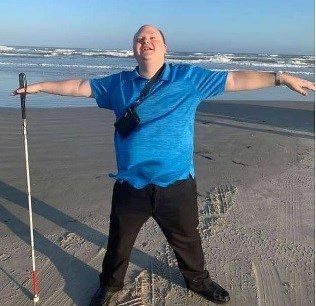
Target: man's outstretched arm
column 75, row 88
column 249, row 80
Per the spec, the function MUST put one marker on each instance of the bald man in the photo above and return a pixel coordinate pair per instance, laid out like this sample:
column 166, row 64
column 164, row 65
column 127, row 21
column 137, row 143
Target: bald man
column 155, row 106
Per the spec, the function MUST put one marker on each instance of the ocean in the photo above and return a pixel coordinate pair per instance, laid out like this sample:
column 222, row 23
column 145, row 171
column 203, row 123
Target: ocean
column 49, row 63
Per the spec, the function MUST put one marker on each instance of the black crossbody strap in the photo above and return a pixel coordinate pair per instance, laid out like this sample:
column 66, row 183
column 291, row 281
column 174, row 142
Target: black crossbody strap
column 149, row 85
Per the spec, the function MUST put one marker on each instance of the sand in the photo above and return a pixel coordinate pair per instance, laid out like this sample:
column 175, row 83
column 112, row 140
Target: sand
column 255, row 178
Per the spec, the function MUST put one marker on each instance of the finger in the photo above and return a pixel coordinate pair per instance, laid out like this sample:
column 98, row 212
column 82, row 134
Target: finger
column 309, row 88
column 21, row 90
column 18, row 91
column 309, row 85
column 300, row 90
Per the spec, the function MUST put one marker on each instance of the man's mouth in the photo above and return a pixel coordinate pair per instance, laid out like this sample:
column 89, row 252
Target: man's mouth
column 146, row 49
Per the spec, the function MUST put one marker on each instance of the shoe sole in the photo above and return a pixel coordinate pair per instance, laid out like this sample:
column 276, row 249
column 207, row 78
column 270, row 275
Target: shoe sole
column 111, row 302
column 213, row 300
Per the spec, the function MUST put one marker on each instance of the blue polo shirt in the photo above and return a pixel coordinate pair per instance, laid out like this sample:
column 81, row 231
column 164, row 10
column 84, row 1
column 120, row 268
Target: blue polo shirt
column 160, row 150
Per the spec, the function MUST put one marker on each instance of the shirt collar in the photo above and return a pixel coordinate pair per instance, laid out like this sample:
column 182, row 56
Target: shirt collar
column 164, row 76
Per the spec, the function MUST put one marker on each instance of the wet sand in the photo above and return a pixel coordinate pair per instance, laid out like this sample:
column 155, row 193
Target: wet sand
column 255, row 177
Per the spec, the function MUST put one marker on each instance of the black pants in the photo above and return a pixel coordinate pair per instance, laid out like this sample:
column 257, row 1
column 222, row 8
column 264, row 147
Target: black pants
column 175, row 210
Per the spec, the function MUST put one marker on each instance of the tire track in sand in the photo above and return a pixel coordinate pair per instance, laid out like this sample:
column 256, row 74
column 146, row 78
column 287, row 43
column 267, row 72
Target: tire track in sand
column 271, row 291
column 213, row 207
column 293, row 219
column 239, row 281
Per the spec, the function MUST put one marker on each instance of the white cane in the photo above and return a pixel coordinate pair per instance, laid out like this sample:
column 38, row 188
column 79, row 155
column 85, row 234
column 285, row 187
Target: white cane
column 23, row 84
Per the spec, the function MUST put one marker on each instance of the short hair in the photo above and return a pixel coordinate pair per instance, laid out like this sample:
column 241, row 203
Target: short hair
column 161, row 33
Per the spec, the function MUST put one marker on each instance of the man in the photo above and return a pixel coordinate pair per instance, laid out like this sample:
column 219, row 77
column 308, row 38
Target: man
column 155, row 161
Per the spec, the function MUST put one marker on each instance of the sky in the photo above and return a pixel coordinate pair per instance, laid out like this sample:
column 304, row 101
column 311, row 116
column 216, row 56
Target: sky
column 259, row 26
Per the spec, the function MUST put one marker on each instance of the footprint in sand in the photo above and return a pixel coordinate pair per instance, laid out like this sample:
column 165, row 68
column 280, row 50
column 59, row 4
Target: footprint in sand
column 69, row 240
column 139, row 294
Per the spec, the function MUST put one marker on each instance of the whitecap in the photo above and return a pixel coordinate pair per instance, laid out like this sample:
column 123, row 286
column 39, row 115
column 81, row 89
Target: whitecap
column 6, row 48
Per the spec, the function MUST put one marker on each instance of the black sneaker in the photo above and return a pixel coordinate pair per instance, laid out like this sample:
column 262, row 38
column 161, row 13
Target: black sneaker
column 215, row 293
column 104, row 296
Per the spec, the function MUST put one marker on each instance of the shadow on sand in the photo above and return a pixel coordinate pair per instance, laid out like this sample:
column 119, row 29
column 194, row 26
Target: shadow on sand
column 72, row 269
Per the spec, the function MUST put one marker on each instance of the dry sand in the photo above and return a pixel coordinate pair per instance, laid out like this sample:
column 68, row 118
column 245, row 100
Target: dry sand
column 255, row 176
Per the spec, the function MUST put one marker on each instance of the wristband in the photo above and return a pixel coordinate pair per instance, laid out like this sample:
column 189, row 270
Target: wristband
column 278, row 75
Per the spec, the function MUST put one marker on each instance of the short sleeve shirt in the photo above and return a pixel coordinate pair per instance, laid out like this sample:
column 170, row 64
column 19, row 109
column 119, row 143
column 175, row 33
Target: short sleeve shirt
column 160, row 150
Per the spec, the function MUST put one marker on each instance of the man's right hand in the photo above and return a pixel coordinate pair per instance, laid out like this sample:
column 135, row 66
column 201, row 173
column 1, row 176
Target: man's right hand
column 30, row 89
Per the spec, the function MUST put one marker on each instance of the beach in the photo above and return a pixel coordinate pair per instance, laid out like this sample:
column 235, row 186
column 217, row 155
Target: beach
column 254, row 163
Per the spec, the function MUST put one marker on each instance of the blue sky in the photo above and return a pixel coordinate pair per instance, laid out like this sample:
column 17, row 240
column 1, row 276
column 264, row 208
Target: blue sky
column 272, row 26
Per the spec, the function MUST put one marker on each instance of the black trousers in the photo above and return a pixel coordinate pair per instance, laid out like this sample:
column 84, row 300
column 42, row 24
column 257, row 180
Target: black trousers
column 175, row 210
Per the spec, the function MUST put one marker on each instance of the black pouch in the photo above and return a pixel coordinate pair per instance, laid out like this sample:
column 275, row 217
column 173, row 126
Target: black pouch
column 127, row 122
column 130, row 120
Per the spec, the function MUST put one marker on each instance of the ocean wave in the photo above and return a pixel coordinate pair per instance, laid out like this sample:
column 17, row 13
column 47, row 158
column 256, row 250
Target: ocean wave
column 109, row 53
column 119, row 53
column 120, row 67
column 218, row 58
column 207, row 58
column 66, row 66
column 75, row 66
column 279, row 64
column 6, row 48
column 255, row 63
column 20, row 54
column 221, row 58
column 287, row 71
column 298, row 62
column 64, row 50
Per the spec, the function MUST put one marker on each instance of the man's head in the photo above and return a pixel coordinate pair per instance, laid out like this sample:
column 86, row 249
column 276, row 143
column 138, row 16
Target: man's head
column 149, row 44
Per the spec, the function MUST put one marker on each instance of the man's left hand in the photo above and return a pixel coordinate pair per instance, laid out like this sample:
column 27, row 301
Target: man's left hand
column 299, row 85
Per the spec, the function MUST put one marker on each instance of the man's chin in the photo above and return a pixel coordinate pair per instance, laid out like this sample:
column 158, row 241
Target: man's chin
column 145, row 58
column 147, row 55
